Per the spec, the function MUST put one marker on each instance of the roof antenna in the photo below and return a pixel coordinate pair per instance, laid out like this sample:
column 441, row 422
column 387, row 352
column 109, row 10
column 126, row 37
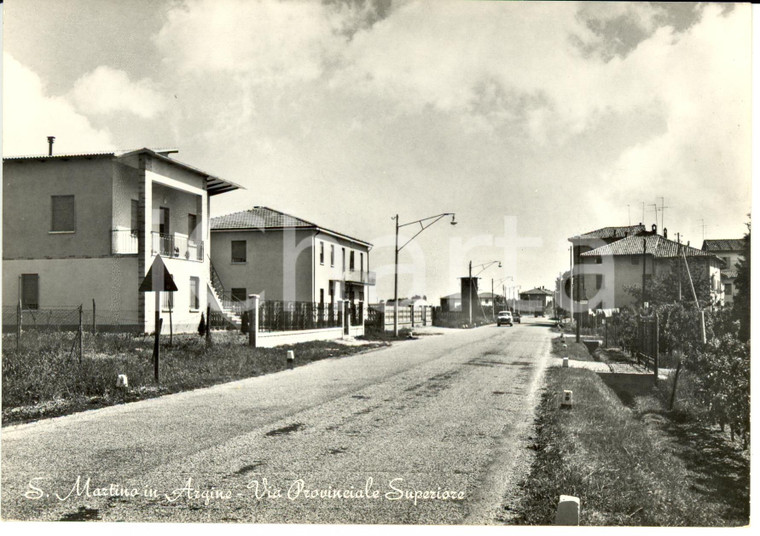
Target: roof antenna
column 51, row 139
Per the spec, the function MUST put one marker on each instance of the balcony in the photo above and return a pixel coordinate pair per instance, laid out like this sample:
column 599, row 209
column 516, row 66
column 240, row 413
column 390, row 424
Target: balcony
column 176, row 246
column 364, row 278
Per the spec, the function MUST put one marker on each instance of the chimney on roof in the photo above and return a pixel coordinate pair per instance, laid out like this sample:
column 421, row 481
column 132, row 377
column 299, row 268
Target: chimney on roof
column 51, row 139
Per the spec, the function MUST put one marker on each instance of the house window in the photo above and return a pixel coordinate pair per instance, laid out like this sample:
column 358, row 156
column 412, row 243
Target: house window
column 635, row 260
column 239, row 253
column 321, row 296
column 331, row 289
column 195, row 293
column 332, row 255
column 729, row 289
column 63, row 220
column 361, row 262
column 134, row 220
column 351, row 261
column 167, row 301
column 30, row 291
column 164, row 219
column 239, row 294
column 343, row 252
column 321, row 252
column 598, row 281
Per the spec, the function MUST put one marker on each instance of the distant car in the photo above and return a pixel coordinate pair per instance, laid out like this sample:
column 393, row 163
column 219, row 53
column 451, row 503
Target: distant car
column 516, row 317
column 504, row 317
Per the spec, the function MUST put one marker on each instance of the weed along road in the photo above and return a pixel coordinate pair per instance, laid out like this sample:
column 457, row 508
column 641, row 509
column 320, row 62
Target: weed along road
column 427, row 431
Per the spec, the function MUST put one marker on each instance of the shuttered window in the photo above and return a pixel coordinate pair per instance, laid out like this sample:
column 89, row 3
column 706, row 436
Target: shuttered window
column 63, row 217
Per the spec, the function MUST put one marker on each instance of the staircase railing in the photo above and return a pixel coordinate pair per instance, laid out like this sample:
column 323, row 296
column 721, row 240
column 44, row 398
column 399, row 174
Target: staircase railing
column 216, row 281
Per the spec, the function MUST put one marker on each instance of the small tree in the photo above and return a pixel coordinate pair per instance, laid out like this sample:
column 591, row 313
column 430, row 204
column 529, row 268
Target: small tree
column 244, row 322
column 202, row 326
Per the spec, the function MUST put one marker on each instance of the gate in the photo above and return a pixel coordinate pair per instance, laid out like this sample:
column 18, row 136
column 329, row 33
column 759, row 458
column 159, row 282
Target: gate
column 648, row 342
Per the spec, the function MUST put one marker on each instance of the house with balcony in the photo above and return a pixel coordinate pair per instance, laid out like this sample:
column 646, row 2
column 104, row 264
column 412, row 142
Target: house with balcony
column 729, row 250
column 79, row 228
column 287, row 259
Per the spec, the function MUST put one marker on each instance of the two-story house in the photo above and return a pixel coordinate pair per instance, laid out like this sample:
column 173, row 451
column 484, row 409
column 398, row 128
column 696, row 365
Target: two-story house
column 83, row 227
column 631, row 262
column 285, row 258
column 729, row 250
column 610, row 263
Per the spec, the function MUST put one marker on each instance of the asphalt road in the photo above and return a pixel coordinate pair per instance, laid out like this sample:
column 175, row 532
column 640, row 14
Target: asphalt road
column 429, row 431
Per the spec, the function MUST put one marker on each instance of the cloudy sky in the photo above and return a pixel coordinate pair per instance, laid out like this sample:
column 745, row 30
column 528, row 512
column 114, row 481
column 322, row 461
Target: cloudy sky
column 532, row 121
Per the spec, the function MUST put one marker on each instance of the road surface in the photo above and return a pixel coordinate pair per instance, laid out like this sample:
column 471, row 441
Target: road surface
column 430, row 431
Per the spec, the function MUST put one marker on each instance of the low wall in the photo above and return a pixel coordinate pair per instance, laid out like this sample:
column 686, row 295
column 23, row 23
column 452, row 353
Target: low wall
column 270, row 339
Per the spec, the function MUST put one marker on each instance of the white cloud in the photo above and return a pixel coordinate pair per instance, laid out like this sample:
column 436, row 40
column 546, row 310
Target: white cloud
column 273, row 42
column 30, row 115
column 106, row 90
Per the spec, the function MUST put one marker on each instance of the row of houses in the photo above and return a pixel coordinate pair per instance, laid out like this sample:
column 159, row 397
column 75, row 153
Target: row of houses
column 614, row 266
column 537, row 299
column 82, row 227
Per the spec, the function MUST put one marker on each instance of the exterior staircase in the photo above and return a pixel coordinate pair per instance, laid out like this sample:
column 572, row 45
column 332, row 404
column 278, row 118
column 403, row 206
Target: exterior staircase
column 221, row 302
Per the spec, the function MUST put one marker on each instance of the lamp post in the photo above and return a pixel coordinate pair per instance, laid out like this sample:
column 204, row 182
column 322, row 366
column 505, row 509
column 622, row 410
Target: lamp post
column 484, row 266
column 424, row 224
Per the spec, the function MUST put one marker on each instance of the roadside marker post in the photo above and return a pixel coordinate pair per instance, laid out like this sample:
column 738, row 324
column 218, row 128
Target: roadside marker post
column 565, row 362
column 568, row 511
column 157, row 279
column 567, row 399
column 291, row 358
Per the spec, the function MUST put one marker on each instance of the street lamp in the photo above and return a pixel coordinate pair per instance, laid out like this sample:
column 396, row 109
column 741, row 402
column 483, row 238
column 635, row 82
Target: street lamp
column 484, row 266
column 424, row 224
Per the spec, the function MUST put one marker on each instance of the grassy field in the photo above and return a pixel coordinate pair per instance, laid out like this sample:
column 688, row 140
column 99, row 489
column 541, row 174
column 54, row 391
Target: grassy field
column 630, row 465
column 45, row 378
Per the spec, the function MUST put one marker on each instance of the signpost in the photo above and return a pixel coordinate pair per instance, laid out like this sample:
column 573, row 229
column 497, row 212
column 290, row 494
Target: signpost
column 157, row 279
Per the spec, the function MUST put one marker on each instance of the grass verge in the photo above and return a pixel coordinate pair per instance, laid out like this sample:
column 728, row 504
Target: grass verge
column 630, row 466
column 45, row 378
column 574, row 350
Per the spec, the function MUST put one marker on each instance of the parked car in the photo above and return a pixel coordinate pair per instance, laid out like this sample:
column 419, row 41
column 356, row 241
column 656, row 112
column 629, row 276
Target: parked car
column 516, row 317
column 504, row 317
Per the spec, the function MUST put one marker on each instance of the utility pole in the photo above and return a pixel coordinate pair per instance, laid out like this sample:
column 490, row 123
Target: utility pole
column 644, row 275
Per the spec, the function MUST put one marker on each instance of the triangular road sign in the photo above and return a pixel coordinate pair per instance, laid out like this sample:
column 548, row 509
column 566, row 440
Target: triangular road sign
column 158, row 278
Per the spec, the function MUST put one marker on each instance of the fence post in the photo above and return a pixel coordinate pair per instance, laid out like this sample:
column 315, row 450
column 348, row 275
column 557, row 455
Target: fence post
column 79, row 333
column 18, row 325
column 253, row 319
column 208, row 324
column 93, row 316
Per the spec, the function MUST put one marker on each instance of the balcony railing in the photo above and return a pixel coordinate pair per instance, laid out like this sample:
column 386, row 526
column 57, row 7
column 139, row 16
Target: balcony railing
column 123, row 242
column 176, row 246
column 357, row 276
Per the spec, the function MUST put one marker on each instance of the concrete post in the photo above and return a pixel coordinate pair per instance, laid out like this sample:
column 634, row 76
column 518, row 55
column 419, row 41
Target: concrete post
column 565, row 362
column 568, row 511
column 253, row 319
column 567, row 399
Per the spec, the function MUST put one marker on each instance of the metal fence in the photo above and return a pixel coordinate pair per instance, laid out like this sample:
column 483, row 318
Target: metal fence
column 292, row 316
